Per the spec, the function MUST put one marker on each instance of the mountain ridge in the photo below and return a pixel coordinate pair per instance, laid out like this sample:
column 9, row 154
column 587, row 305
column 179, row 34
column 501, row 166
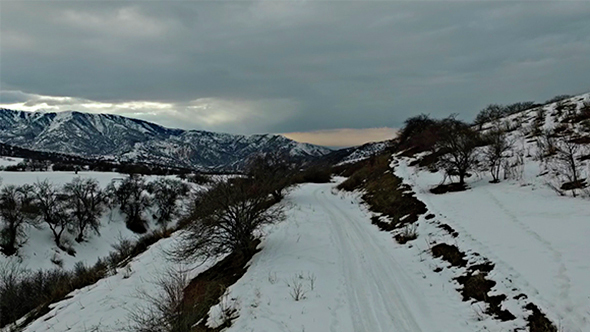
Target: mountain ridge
column 121, row 138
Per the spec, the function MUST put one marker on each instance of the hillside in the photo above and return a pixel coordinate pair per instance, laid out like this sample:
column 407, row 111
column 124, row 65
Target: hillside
column 125, row 139
column 532, row 226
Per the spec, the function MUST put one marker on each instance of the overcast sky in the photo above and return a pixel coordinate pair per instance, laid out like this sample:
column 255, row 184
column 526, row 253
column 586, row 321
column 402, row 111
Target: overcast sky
column 312, row 68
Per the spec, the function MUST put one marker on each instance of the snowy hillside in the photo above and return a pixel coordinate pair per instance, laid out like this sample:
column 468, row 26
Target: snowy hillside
column 40, row 251
column 532, row 229
column 125, row 139
column 107, row 305
column 364, row 151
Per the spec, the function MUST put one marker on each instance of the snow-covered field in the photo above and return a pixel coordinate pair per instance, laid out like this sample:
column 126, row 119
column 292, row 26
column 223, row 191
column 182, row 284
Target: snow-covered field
column 40, row 249
column 9, row 161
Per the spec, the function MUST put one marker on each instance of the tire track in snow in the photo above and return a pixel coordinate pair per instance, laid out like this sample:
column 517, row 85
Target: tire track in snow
column 557, row 256
column 376, row 286
column 561, row 277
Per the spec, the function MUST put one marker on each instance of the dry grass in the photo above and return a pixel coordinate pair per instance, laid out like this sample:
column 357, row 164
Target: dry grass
column 385, row 194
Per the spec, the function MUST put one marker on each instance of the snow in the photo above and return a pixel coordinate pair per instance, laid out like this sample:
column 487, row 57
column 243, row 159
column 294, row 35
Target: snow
column 537, row 239
column 106, row 305
column 363, row 280
column 40, row 249
column 9, row 161
column 357, row 278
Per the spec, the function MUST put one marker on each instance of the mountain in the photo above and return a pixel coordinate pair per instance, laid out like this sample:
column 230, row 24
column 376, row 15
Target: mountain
column 355, row 153
column 120, row 138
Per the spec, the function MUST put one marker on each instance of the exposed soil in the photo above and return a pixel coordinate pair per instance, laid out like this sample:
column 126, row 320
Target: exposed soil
column 448, row 188
column 205, row 290
column 537, row 321
column 449, row 253
column 449, row 229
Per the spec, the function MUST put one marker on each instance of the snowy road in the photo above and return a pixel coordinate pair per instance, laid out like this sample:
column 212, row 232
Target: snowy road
column 361, row 285
column 377, row 288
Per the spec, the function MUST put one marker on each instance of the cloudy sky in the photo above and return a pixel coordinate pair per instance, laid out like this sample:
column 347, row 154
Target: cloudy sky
column 330, row 72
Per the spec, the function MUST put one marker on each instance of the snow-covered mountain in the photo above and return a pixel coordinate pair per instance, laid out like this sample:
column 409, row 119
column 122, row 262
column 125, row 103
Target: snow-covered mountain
column 126, row 139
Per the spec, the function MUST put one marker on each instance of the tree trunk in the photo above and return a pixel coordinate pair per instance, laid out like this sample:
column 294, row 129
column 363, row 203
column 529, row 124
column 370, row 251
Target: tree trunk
column 9, row 248
column 462, row 178
column 277, row 195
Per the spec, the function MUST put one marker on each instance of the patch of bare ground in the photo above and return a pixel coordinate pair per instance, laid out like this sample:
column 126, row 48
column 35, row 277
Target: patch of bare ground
column 537, row 321
column 448, row 188
column 449, row 230
column 449, row 253
column 475, row 284
column 206, row 289
column 385, row 194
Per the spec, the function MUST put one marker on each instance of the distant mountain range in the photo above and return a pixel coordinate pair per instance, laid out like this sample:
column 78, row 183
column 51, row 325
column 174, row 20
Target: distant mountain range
column 123, row 139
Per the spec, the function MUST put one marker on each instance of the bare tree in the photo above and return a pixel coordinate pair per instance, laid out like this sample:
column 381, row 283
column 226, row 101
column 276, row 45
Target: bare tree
column 225, row 220
column 518, row 107
column 87, row 204
column 494, row 153
column 166, row 311
column 457, row 143
column 272, row 171
column 137, row 201
column 120, row 194
column 16, row 211
column 167, row 193
column 418, row 132
column 546, row 146
column 52, row 207
column 492, row 112
column 566, row 163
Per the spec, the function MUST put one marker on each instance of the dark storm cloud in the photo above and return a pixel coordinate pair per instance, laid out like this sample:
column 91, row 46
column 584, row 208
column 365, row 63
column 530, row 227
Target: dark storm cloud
column 292, row 66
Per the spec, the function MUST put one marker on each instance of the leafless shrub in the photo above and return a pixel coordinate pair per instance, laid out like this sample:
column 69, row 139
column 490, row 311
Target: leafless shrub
column 272, row 278
column 546, row 146
column 167, row 193
column 408, row 233
column 495, row 152
column 565, row 163
column 164, row 312
column 226, row 219
column 311, row 277
column 226, row 311
column 296, row 289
